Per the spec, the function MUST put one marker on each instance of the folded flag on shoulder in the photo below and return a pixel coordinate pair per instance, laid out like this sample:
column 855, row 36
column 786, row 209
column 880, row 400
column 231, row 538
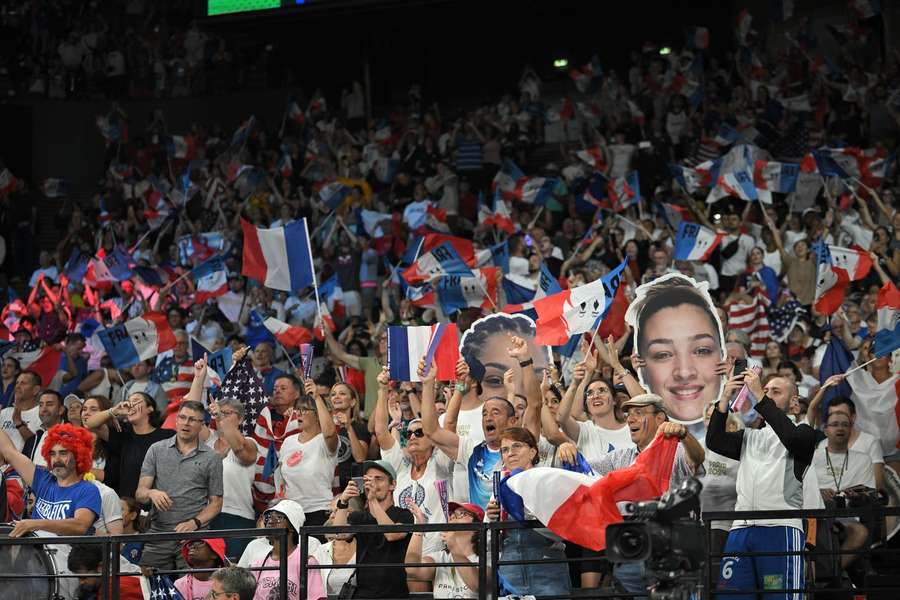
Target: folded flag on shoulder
column 887, row 332
column 280, row 257
column 137, row 339
column 408, row 345
column 577, row 310
column 695, row 242
column 581, row 506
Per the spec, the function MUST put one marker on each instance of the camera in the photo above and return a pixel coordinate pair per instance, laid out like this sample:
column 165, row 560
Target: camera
column 666, row 535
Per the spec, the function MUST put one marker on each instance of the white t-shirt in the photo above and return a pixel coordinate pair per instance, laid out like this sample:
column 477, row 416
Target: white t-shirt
column 620, row 158
column 334, row 579
column 596, row 442
column 719, row 491
column 867, row 444
column 110, row 508
column 448, row 583
column 29, row 417
column 468, row 424
column 237, row 481
column 844, row 470
column 737, row 262
column 546, row 453
column 306, row 471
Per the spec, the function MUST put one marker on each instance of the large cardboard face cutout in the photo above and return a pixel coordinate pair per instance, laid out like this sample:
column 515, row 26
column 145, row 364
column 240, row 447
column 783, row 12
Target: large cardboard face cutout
column 678, row 337
column 484, row 346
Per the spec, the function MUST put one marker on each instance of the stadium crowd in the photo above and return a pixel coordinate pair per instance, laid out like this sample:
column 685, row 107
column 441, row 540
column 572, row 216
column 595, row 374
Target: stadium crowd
column 233, row 426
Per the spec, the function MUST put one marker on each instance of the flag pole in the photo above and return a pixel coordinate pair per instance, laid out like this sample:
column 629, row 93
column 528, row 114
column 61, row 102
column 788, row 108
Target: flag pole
column 536, row 216
column 865, row 364
column 313, row 265
column 283, row 121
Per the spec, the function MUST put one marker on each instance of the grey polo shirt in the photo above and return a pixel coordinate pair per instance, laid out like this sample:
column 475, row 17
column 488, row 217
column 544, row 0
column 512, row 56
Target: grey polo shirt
column 189, row 480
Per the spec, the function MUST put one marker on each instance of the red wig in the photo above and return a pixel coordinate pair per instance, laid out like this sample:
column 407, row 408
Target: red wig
column 76, row 440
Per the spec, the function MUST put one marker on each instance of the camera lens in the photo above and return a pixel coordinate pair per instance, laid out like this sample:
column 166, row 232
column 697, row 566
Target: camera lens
column 632, row 544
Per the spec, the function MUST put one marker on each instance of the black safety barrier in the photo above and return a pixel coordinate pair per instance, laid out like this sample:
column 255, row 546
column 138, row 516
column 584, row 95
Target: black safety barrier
column 487, row 548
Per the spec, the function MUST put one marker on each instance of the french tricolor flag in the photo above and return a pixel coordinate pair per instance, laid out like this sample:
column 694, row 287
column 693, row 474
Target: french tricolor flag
column 770, row 176
column 887, row 332
column 54, row 188
column 437, row 344
column 289, row 336
column 7, row 182
column 836, row 267
column 137, row 339
column 624, row 191
column 210, row 279
column 744, row 20
column 738, row 184
column 181, row 146
column 507, row 178
column 295, row 114
column 535, row 190
column 695, row 242
column 499, row 217
column 280, row 258
column 580, row 507
column 438, row 262
column 591, row 156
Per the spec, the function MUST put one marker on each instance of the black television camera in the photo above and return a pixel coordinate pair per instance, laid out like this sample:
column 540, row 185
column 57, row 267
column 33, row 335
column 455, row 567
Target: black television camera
column 665, row 534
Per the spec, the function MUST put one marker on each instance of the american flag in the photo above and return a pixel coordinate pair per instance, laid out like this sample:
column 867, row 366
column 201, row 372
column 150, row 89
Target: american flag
column 162, row 588
column 175, row 379
column 783, row 318
column 751, row 318
column 244, row 385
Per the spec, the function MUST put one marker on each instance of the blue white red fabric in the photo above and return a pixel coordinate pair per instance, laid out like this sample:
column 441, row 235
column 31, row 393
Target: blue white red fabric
column 752, row 319
column 836, row 267
column 497, row 217
column 457, row 292
column 289, row 336
column 738, row 184
column 770, row 176
column 592, row 157
column 162, row 588
column 576, row 310
column 743, row 26
column 7, row 182
column 210, row 279
column 535, row 190
column 243, row 132
column 137, row 339
column 295, row 114
column 695, row 242
column 506, row 179
column 698, row 37
column 44, row 360
column 55, row 188
column 624, row 191
column 688, row 178
column 440, row 261
column 285, row 165
column 408, row 345
column 280, row 258
column 887, row 331
column 181, row 146
column 521, row 294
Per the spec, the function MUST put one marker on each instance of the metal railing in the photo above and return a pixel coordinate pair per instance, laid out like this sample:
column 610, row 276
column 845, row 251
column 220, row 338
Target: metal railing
column 487, row 546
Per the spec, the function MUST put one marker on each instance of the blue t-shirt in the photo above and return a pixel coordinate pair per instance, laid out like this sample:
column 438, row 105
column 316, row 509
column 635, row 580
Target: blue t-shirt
column 482, row 465
column 81, row 367
column 56, row 503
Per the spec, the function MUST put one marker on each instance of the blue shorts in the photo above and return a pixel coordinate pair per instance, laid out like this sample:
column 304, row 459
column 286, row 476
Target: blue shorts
column 749, row 573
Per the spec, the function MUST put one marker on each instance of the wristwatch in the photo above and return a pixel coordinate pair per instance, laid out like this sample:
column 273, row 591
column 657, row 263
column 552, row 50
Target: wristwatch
column 526, row 363
column 197, row 522
column 343, row 505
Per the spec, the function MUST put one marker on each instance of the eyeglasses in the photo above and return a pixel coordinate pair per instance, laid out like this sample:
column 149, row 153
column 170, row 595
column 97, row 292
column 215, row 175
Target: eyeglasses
column 415, row 433
column 305, row 409
column 187, row 419
column 504, row 450
column 595, row 393
column 227, row 413
column 213, row 594
column 274, row 518
column 461, row 513
column 194, row 544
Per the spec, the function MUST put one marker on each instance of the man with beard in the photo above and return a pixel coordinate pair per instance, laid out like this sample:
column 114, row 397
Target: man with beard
column 64, row 503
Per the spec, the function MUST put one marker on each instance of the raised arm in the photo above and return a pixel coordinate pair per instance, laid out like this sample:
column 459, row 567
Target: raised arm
column 609, row 353
column 726, row 443
column 19, row 462
column 244, row 448
column 564, row 416
column 518, row 349
column 382, row 434
column 338, row 350
column 447, row 441
column 812, row 411
column 326, row 423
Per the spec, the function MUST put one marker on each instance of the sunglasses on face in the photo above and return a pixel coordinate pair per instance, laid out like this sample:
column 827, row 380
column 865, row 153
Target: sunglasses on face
column 415, row 433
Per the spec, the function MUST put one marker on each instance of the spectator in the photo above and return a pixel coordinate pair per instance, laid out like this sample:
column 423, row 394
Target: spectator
column 519, row 451
column 50, row 413
column 233, row 583
column 307, row 459
column 200, row 554
column 340, row 549
column 138, row 432
column 88, row 558
column 646, row 417
column 64, row 503
column 275, row 423
column 73, row 405
column 773, row 461
column 141, row 382
column 20, row 420
column 262, row 362
column 378, row 495
column 8, row 375
column 286, row 514
column 182, row 478
column 74, row 364
column 351, row 428
column 175, row 372
column 448, row 582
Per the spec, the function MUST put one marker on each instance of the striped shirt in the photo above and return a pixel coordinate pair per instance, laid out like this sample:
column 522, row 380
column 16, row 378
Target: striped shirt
column 271, row 428
column 468, row 155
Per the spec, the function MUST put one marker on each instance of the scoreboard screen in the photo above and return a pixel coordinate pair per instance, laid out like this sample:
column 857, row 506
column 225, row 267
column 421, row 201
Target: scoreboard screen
column 228, row 7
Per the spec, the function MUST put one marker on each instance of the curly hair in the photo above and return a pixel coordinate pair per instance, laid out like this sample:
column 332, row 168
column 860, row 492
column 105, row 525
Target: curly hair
column 76, row 440
column 475, row 339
